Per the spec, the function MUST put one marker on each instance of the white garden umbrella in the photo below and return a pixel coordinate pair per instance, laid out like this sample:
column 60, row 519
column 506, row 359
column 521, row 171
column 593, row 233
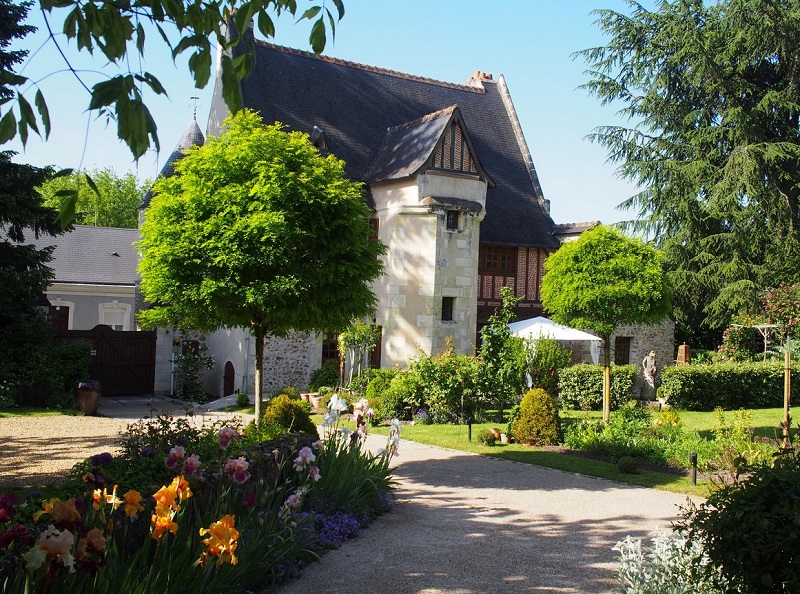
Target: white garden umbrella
column 544, row 328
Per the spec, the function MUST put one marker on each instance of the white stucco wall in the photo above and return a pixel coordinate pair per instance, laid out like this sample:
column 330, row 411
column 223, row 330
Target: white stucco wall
column 84, row 302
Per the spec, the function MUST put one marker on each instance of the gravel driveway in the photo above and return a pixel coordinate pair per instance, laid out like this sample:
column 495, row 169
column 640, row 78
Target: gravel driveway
column 467, row 524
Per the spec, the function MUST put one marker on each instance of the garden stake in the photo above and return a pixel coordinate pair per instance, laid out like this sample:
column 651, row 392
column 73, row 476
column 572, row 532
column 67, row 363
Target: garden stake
column 693, row 461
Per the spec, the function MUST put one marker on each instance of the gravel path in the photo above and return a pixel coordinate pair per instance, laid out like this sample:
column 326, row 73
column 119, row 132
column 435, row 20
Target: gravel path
column 467, row 524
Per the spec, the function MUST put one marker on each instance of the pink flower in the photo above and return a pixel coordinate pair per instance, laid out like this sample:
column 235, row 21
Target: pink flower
column 227, row 434
column 304, row 457
column 191, row 467
column 314, row 474
column 293, row 501
column 237, row 469
column 176, row 454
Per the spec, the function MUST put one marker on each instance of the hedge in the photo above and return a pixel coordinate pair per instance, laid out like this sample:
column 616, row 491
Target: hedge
column 727, row 385
column 581, row 386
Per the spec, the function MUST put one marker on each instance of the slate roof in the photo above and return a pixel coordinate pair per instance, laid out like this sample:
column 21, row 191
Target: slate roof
column 357, row 105
column 192, row 136
column 93, row 255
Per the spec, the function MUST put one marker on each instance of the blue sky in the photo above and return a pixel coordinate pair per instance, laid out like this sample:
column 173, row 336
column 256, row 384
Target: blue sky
column 530, row 42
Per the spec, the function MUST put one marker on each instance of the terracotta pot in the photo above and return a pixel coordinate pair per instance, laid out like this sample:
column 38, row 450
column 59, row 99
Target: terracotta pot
column 314, row 400
column 87, row 396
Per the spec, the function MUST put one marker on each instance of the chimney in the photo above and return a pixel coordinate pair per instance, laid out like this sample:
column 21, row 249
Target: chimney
column 477, row 77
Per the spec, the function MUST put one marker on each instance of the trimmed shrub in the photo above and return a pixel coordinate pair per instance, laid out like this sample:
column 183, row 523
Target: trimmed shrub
column 537, row 422
column 289, row 414
column 486, row 437
column 242, row 399
column 327, row 375
column 581, row 386
column 728, row 385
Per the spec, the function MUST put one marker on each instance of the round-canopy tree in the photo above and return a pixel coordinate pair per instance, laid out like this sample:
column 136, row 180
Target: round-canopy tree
column 602, row 280
column 257, row 230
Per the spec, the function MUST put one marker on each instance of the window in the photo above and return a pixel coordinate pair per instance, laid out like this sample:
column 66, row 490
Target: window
column 447, row 308
column 115, row 314
column 452, row 220
column 330, row 347
column 59, row 317
column 495, row 258
column 622, row 350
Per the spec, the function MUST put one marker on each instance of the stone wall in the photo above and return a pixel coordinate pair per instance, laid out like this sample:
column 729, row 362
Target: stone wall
column 290, row 361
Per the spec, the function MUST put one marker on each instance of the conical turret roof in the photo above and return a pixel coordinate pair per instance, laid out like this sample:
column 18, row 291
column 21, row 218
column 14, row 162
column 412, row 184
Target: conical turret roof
column 192, row 137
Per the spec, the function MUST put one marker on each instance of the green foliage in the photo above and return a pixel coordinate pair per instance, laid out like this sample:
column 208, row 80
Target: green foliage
column 327, row 375
column 726, row 385
column 25, row 336
column 289, row 415
column 108, row 201
column 709, row 87
column 70, row 363
column 782, row 307
column 450, row 384
column 604, row 279
column 739, row 340
column 486, row 437
column 257, row 230
column 581, row 386
column 380, row 380
column 502, row 354
column 628, row 433
column 116, row 29
column 749, row 529
column 538, row 422
column 242, row 399
column 549, row 358
column 403, row 397
column 291, row 392
column 189, row 365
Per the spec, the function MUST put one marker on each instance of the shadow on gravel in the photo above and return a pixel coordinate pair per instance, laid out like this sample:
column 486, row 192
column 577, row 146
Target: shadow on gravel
column 32, row 462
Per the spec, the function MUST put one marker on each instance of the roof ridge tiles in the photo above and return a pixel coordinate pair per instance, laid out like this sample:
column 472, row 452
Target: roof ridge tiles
column 446, row 111
column 368, row 68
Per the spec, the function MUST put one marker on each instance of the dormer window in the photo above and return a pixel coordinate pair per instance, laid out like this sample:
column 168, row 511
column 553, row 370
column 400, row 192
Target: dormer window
column 452, row 220
column 319, row 140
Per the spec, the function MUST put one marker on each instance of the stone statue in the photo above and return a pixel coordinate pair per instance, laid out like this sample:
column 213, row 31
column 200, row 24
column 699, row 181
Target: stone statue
column 650, row 376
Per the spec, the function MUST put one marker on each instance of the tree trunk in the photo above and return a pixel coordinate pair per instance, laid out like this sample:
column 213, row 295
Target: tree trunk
column 606, row 379
column 259, row 376
column 787, row 391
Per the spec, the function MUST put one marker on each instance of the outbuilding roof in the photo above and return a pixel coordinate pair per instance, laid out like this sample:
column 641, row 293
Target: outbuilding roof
column 358, row 107
column 93, row 255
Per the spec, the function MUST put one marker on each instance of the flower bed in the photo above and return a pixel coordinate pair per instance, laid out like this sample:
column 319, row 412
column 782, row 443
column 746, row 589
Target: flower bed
column 208, row 509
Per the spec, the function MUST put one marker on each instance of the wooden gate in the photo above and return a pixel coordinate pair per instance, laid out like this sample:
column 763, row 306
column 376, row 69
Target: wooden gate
column 124, row 362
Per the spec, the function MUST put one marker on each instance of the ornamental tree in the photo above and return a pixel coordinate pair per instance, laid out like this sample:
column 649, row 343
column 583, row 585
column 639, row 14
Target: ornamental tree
column 602, row 280
column 257, row 230
column 503, row 355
